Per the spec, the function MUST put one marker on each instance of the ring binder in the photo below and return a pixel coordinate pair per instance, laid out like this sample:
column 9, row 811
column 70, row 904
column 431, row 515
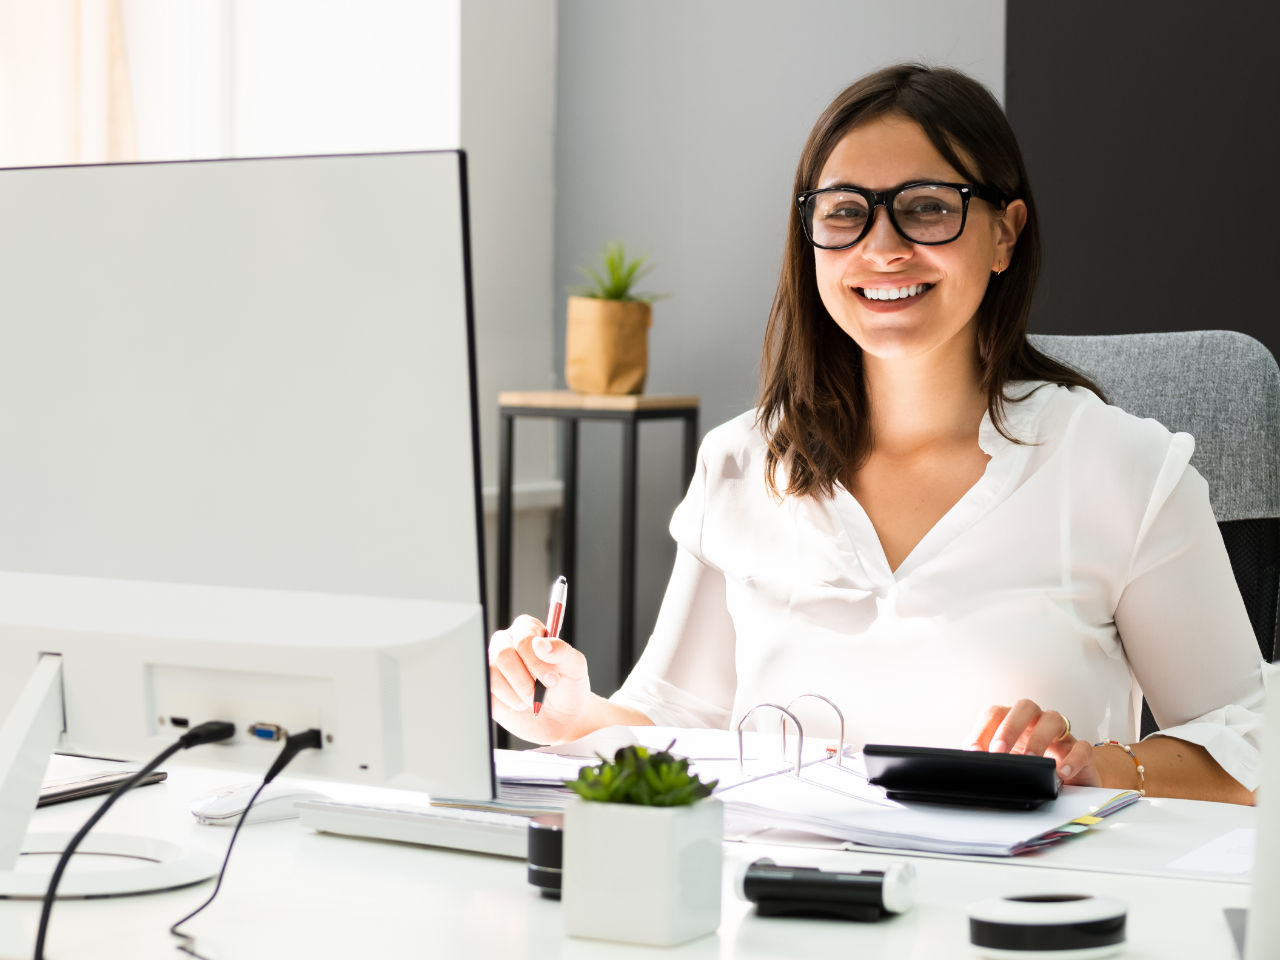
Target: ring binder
column 799, row 734
column 829, row 702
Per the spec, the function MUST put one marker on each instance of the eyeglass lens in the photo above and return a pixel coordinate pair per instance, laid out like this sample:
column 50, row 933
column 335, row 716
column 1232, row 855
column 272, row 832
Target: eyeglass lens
column 928, row 213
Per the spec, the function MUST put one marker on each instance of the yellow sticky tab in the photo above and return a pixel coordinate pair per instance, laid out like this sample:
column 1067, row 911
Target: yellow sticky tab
column 1087, row 821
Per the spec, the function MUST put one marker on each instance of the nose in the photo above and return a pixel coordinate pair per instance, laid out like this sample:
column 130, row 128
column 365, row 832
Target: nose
column 883, row 245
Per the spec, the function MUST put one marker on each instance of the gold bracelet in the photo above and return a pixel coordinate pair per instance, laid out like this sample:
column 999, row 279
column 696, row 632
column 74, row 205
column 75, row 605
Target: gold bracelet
column 1142, row 779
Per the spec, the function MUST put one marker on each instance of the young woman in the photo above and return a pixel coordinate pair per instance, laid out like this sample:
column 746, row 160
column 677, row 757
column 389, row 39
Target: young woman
column 943, row 531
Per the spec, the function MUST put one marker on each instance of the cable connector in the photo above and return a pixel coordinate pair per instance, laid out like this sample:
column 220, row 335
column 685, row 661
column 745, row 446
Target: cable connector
column 307, row 740
column 210, row 732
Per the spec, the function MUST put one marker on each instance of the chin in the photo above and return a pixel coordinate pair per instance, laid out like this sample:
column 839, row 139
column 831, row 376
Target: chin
column 886, row 339
column 893, row 342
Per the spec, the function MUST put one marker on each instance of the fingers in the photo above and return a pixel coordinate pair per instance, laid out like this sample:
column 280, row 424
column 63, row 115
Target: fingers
column 561, row 660
column 1017, row 722
column 1049, row 729
column 523, row 654
column 523, row 627
column 1025, row 728
column 510, row 676
column 1021, row 728
column 1077, row 765
column 980, row 738
column 510, row 683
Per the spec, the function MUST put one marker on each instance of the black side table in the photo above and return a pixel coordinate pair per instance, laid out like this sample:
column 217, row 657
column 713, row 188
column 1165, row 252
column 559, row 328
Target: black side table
column 570, row 409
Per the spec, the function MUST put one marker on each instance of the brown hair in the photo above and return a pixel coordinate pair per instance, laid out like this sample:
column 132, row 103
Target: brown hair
column 813, row 402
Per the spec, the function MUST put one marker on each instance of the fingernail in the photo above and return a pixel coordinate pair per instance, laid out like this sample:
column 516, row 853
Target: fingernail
column 550, row 680
column 974, row 746
column 542, row 645
column 1066, row 770
column 999, row 746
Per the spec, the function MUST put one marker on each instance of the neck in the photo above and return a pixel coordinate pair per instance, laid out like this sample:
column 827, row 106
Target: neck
column 921, row 401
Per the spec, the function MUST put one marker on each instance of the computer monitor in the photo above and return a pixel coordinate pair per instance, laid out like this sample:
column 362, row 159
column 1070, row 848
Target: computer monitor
column 238, row 420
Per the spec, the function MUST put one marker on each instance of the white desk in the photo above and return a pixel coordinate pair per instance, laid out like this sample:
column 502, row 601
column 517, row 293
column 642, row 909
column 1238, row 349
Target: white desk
column 290, row 892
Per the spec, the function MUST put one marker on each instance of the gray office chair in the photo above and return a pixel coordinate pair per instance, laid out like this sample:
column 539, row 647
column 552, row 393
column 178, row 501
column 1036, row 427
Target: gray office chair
column 1223, row 388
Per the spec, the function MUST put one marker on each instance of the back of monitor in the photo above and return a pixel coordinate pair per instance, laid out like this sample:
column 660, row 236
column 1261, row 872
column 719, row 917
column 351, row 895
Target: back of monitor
column 239, row 444
column 251, row 373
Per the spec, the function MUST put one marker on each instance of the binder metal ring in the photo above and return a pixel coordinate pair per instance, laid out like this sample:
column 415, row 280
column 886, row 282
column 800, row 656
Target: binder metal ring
column 794, row 719
column 830, row 703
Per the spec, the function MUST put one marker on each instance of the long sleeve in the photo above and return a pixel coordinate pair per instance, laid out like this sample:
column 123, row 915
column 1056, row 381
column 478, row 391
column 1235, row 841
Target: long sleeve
column 686, row 676
column 1184, row 627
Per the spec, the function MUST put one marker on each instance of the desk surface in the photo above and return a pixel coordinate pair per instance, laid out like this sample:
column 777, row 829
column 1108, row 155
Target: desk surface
column 290, row 892
column 568, row 400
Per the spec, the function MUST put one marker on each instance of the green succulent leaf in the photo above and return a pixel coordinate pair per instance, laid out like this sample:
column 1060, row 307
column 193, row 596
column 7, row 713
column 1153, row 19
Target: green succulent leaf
column 617, row 278
column 637, row 776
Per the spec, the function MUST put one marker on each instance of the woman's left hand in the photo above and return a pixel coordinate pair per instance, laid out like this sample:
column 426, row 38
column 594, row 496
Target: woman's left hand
column 1026, row 728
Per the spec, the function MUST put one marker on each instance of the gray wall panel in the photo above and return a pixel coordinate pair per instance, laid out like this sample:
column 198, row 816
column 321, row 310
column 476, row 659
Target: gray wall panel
column 1149, row 130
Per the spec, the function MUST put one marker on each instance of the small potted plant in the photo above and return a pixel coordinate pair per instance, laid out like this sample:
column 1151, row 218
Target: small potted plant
column 607, row 329
column 642, row 851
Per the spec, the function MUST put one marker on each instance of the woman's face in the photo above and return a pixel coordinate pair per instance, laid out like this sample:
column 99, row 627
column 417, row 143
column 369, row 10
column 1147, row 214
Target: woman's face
column 949, row 279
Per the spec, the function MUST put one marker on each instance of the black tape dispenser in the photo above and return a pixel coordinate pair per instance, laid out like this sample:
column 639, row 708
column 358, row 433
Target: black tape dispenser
column 779, row 891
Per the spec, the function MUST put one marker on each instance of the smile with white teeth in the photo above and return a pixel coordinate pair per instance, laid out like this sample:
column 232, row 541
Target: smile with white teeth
column 893, row 293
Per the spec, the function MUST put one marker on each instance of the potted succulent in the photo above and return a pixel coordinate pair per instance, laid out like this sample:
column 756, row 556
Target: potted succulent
column 642, row 851
column 607, row 329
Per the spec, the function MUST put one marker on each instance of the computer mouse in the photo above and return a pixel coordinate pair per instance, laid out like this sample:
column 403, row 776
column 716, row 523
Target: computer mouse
column 276, row 802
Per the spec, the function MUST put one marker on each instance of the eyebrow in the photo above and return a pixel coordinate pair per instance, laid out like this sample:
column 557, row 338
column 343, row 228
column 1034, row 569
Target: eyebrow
column 904, row 183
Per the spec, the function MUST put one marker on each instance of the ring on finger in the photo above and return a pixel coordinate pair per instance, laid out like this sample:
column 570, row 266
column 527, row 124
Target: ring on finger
column 1066, row 732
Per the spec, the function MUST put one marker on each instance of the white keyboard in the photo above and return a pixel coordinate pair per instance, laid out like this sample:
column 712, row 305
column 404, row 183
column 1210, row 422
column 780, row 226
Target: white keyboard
column 481, row 831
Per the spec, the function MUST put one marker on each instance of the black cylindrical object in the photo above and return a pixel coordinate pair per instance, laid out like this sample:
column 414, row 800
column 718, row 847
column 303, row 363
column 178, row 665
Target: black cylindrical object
column 546, row 849
column 779, row 891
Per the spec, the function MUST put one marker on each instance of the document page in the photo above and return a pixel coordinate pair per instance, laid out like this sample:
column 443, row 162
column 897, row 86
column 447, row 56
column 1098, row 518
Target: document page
column 838, row 802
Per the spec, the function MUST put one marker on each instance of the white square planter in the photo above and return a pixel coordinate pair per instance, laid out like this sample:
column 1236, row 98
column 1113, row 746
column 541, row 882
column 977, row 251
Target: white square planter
column 646, row 875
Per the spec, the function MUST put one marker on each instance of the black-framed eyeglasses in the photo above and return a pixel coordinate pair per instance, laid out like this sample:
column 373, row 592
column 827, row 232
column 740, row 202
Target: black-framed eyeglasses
column 836, row 218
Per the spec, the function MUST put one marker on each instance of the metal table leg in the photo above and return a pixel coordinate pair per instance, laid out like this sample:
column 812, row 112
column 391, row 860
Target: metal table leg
column 569, row 524
column 627, row 571
column 505, row 442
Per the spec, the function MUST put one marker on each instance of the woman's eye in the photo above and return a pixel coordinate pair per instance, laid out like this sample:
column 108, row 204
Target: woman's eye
column 928, row 208
column 846, row 213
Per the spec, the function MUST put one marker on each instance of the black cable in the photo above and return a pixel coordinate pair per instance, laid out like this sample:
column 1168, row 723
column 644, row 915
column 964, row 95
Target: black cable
column 293, row 746
column 210, row 732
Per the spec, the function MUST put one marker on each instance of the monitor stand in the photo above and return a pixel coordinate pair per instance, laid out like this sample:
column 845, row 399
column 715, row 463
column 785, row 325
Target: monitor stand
column 137, row 864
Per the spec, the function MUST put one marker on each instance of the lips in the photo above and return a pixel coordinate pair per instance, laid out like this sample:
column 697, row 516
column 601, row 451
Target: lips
column 893, row 293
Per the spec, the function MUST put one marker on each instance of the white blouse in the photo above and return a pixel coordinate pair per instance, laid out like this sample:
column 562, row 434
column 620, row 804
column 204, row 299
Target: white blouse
column 1084, row 569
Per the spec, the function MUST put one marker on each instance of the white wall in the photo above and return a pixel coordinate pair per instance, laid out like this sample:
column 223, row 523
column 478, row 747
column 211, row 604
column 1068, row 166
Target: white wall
column 679, row 126
column 332, row 76
column 214, row 78
column 508, row 130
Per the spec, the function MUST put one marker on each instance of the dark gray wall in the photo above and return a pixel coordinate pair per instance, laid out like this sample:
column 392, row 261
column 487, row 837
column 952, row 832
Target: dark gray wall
column 1149, row 130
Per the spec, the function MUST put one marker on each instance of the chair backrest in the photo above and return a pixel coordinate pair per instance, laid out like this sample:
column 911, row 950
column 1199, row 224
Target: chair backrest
column 1223, row 388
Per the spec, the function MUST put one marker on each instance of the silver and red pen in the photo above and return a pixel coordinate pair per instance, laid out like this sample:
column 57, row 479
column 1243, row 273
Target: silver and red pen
column 555, row 620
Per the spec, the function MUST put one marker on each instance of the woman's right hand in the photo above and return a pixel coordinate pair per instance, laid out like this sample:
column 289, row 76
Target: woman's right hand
column 523, row 653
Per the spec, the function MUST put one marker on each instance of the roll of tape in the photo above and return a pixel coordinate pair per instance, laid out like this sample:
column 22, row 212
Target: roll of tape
column 1054, row 926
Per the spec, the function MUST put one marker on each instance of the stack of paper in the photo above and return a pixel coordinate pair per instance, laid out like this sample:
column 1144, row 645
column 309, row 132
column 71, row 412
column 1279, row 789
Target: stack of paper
column 833, row 800
column 838, row 802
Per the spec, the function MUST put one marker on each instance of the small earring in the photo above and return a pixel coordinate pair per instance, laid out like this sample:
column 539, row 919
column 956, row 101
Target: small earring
column 1001, row 269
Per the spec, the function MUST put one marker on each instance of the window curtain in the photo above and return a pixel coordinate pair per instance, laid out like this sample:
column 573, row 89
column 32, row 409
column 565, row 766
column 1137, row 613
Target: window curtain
column 65, row 87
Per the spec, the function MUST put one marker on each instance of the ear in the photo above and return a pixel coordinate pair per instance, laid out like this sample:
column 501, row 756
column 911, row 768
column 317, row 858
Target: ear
column 1008, row 226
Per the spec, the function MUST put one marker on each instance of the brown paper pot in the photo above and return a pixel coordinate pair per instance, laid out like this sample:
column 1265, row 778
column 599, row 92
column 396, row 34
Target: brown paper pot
column 606, row 346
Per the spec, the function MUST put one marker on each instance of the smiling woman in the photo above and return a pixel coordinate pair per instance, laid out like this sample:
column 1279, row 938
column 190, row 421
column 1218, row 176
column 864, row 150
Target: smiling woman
column 946, row 533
